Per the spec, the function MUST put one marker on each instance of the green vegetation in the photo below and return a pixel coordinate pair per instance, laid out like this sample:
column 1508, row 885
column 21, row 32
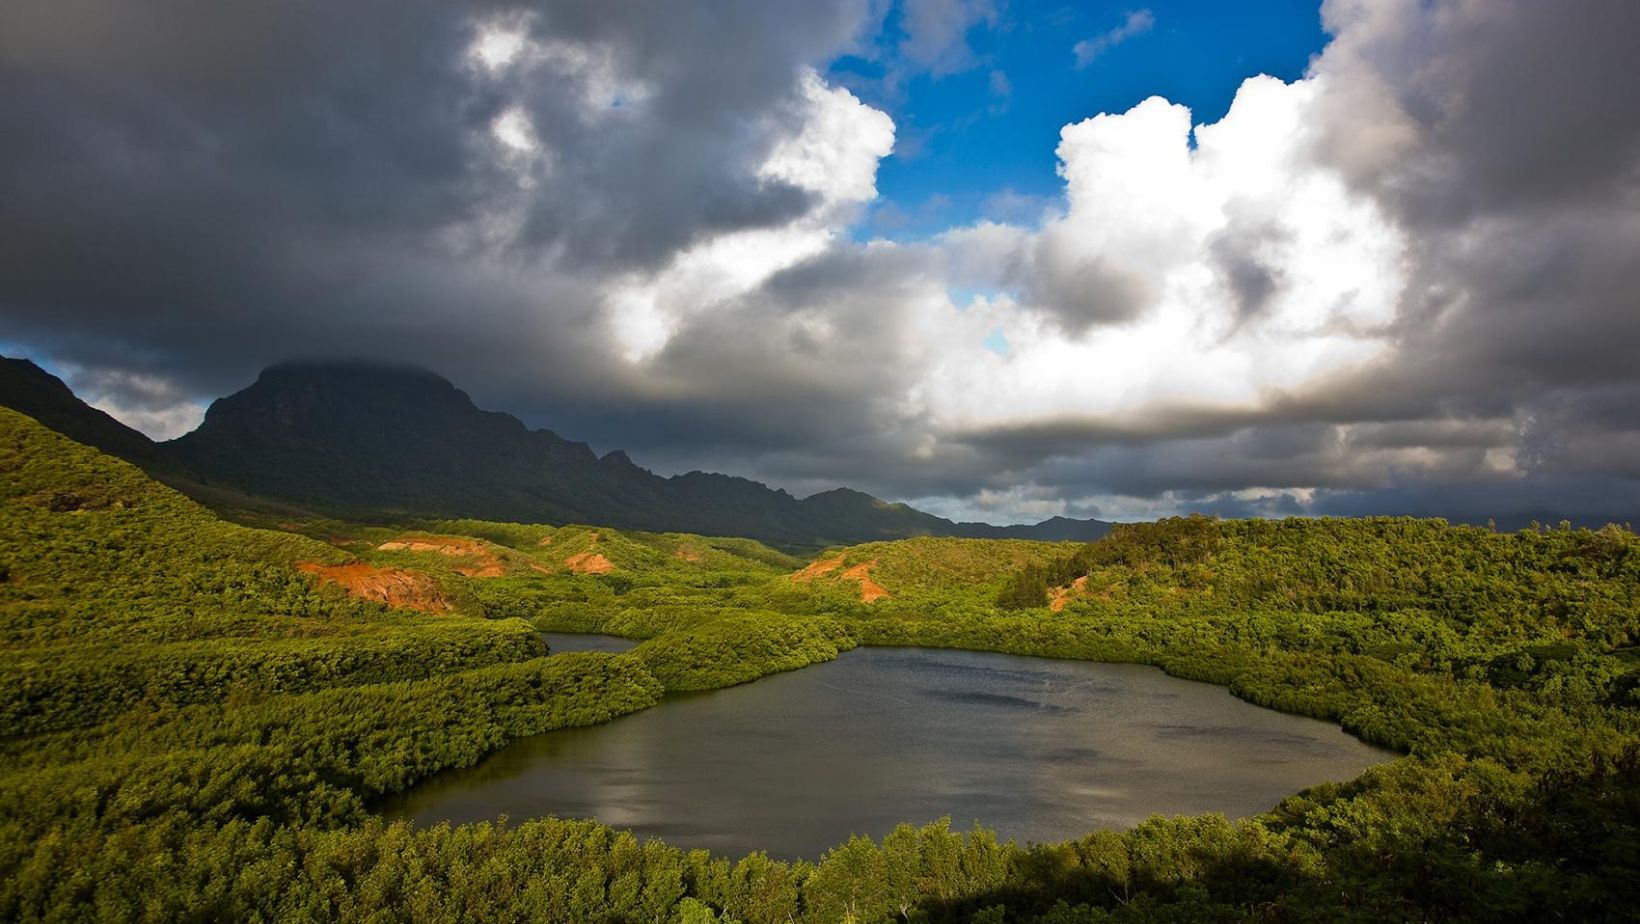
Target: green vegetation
column 195, row 729
column 735, row 649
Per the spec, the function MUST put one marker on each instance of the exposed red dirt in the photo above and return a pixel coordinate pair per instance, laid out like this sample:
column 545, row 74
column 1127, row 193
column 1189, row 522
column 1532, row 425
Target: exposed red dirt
column 860, row 574
column 870, row 591
column 1059, row 596
column 589, row 563
column 395, row 587
column 817, row 568
column 484, row 564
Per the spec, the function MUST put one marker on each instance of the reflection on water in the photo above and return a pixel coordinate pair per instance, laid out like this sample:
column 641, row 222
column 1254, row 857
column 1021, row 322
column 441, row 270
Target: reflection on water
column 1040, row 750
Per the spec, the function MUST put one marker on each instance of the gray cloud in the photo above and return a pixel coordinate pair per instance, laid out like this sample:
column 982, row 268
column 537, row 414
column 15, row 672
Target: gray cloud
column 1455, row 110
column 203, row 189
column 1082, row 292
column 936, row 32
column 1253, row 278
column 1135, row 23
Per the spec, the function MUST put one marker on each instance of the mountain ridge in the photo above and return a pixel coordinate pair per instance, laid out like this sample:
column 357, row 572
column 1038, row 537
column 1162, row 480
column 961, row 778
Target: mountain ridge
column 358, row 438
column 31, row 390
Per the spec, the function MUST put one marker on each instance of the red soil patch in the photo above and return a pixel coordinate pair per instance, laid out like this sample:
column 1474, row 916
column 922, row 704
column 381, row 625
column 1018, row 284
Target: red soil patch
column 689, row 555
column 817, row 568
column 1059, row 596
column 392, row 586
column 589, row 563
column 870, row 591
column 485, row 566
column 861, row 574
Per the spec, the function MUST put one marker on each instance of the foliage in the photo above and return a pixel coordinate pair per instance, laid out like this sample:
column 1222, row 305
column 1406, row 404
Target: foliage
column 735, row 649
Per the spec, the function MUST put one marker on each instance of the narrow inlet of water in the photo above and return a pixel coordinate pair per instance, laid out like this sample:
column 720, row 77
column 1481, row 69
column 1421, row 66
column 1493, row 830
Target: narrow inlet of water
column 558, row 642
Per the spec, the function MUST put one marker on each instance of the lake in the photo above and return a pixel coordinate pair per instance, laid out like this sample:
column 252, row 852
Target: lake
column 794, row 763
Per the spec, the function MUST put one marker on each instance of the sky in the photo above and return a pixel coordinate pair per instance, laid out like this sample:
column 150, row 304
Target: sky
column 1001, row 259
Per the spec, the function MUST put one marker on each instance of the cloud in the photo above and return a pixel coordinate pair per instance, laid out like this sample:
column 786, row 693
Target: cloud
column 1002, row 92
column 149, row 403
column 1011, row 205
column 209, row 190
column 936, row 32
column 1137, row 23
column 832, row 158
column 1157, row 251
column 1402, row 283
column 1001, row 87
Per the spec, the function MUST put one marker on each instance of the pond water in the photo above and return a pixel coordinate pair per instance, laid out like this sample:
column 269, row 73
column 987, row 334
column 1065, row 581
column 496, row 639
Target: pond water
column 793, row 764
column 585, row 641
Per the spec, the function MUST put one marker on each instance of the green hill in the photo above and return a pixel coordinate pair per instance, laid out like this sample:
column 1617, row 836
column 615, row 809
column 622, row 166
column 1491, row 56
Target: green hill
column 117, row 593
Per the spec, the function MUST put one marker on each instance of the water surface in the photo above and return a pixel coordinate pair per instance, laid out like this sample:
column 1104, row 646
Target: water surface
column 1038, row 749
column 585, row 641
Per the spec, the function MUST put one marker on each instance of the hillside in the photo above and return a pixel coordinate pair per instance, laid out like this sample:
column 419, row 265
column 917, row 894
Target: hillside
column 1563, row 583
column 931, row 577
column 115, row 591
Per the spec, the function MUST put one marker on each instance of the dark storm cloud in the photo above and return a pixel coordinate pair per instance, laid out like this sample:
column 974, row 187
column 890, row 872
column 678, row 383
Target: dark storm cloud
column 1485, row 107
column 1512, row 154
column 198, row 188
column 1505, row 140
column 1310, row 455
column 1585, row 501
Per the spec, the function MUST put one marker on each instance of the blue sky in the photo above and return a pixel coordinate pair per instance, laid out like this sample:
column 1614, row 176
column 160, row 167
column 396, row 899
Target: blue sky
column 971, row 144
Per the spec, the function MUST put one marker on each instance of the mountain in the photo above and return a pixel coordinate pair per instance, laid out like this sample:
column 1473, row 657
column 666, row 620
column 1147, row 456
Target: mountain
column 1056, row 529
column 27, row 388
column 370, row 440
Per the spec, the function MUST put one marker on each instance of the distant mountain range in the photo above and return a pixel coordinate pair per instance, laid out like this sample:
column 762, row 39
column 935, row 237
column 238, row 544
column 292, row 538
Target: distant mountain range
column 363, row 440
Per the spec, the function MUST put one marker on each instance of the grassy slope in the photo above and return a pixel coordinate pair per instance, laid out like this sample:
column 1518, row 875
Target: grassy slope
column 120, row 593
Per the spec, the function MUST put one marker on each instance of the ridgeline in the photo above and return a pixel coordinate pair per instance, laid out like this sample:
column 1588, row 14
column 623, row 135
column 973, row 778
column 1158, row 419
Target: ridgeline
column 366, row 441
